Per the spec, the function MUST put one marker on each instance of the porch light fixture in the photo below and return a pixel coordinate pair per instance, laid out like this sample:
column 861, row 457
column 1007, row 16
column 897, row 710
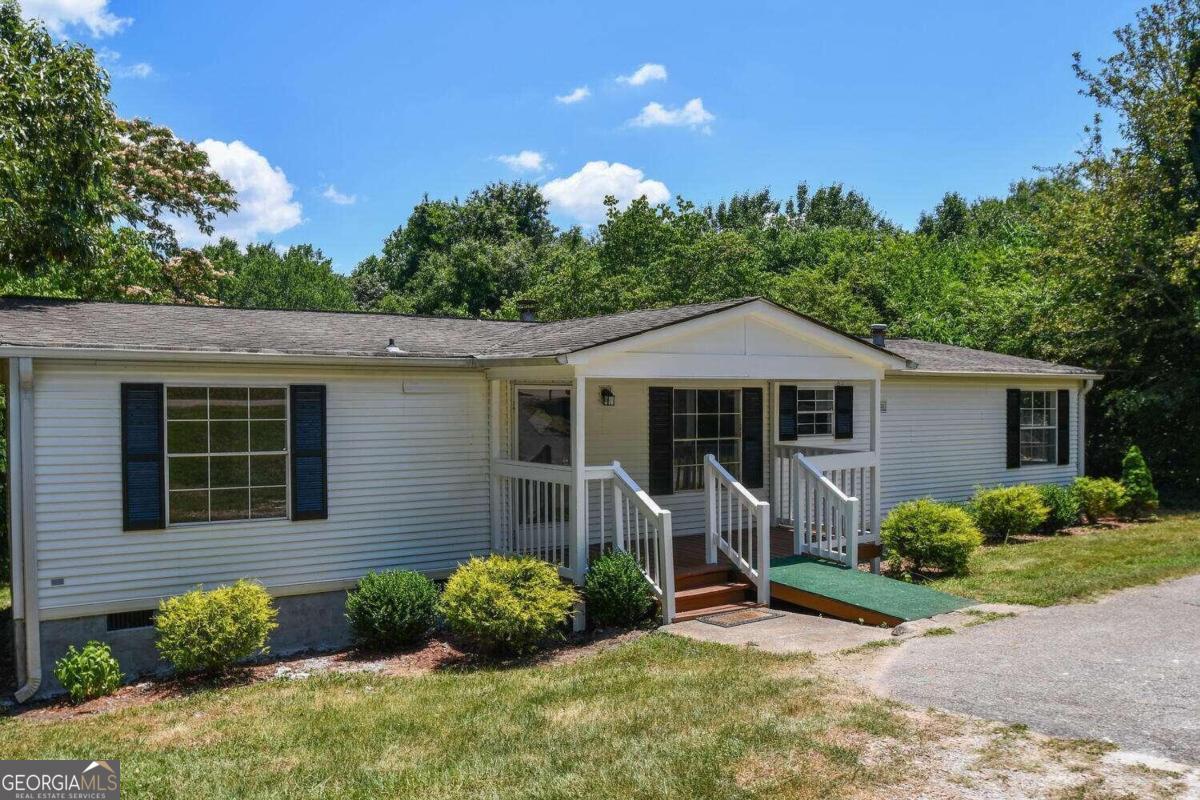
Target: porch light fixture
column 607, row 398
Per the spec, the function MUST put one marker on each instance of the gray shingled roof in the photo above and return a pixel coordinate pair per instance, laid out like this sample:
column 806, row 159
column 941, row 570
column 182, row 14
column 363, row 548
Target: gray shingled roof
column 38, row 323
column 936, row 357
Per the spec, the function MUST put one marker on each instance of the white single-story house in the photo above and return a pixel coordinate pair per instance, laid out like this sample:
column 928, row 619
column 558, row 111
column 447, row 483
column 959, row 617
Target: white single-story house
column 156, row 448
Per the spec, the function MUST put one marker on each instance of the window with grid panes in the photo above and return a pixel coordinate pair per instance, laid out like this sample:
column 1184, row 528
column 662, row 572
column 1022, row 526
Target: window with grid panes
column 705, row 421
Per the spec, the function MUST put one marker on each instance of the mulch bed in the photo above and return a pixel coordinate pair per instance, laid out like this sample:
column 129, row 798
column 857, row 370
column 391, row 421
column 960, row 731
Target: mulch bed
column 438, row 653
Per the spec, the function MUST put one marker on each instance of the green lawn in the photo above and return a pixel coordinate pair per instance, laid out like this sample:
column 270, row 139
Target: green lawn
column 1059, row 569
column 660, row 717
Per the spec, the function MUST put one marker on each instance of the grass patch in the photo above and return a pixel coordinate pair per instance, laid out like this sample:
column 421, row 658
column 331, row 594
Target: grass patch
column 942, row 631
column 1059, row 569
column 984, row 617
column 660, row 717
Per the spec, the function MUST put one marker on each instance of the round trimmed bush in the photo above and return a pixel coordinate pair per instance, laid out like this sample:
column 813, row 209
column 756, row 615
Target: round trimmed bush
column 391, row 609
column 506, row 604
column 1098, row 497
column 208, row 632
column 87, row 673
column 1140, row 495
column 617, row 592
column 1063, row 506
column 926, row 533
column 1008, row 511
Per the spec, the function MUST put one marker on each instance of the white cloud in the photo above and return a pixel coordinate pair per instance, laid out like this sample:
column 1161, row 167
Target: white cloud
column 525, row 161
column 691, row 115
column 338, row 198
column 62, row 14
column 574, row 96
column 582, row 194
column 264, row 196
column 644, row 74
column 111, row 61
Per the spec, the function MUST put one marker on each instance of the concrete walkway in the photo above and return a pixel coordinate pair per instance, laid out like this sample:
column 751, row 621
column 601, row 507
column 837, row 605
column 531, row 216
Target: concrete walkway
column 1125, row 669
column 789, row 633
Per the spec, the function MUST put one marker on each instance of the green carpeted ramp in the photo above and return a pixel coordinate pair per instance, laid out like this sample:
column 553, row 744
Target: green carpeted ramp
column 833, row 588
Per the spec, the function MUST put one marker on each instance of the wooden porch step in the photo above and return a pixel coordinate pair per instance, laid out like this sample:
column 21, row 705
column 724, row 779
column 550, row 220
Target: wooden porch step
column 684, row 616
column 705, row 575
column 716, row 594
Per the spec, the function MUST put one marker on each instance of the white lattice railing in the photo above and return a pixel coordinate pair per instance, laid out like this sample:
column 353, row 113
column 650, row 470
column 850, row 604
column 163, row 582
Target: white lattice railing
column 737, row 524
column 826, row 520
column 533, row 513
column 854, row 473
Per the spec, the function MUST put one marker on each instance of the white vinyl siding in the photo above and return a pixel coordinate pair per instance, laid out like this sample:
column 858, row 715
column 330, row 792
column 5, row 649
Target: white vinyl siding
column 408, row 486
column 942, row 437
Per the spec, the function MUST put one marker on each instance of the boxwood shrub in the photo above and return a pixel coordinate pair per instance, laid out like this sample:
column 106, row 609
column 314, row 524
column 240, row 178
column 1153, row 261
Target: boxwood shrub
column 207, row 632
column 1063, row 507
column 506, row 604
column 1008, row 511
column 617, row 593
column 925, row 533
column 391, row 609
column 87, row 673
column 1098, row 497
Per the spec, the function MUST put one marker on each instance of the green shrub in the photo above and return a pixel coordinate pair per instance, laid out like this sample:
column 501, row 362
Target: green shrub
column 209, row 631
column 391, row 609
column 1098, row 497
column 87, row 673
column 930, row 534
column 506, row 604
column 1063, row 506
column 1008, row 511
column 617, row 592
column 1140, row 495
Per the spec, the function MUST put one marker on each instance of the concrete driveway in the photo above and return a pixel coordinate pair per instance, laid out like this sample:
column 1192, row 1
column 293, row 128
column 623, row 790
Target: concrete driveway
column 1125, row 669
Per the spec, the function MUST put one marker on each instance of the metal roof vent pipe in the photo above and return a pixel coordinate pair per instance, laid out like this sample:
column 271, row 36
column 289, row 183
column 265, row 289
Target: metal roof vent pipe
column 879, row 334
column 528, row 310
column 393, row 349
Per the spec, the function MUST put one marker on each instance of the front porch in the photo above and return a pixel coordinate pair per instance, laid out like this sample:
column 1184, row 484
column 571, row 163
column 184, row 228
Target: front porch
column 717, row 442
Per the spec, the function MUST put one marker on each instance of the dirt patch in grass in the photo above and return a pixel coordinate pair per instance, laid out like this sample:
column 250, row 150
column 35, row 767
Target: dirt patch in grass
column 438, row 653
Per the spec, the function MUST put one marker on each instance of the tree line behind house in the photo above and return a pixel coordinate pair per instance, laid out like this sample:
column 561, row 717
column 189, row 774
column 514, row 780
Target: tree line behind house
column 1093, row 262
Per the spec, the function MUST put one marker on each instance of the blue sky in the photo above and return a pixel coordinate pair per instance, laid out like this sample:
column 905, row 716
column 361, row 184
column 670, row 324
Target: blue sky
column 333, row 119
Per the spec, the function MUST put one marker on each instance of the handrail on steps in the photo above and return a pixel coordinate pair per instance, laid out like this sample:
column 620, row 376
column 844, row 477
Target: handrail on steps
column 642, row 528
column 743, row 534
column 828, row 528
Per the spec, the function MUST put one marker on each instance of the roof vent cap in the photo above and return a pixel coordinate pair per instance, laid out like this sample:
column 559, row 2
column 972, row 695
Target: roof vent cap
column 393, row 349
column 879, row 334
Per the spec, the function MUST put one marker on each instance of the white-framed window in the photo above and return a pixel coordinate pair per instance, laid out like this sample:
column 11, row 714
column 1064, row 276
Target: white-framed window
column 705, row 421
column 814, row 411
column 1039, row 427
column 227, row 453
column 543, row 424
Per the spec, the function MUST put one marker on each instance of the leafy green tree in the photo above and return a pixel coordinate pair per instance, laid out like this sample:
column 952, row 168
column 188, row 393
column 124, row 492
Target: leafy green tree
column 86, row 198
column 262, row 277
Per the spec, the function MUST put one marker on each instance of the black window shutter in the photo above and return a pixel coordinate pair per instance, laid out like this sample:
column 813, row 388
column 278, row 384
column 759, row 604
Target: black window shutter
column 1064, row 426
column 1012, row 428
column 662, row 441
column 310, row 493
column 787, row 413
column 752, row 438
column 843, row 412
column 142, row 459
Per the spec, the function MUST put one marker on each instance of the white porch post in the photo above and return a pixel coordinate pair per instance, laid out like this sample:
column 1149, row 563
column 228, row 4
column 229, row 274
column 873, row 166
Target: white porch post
column 494, row 453
column 876, row 483
column 579, row 514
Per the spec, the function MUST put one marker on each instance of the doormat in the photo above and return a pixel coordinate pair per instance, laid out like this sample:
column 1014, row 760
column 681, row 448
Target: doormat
column 743, row 616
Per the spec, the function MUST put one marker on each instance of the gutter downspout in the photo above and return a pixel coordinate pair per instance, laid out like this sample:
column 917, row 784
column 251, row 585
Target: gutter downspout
column 21, row 517
column 1082, row 402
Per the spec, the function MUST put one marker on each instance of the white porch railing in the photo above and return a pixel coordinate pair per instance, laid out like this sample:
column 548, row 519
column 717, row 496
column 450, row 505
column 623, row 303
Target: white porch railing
column 738, row 524
column 826, row 520
column 854, row 473
column 640, row 527
column 532, row 515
